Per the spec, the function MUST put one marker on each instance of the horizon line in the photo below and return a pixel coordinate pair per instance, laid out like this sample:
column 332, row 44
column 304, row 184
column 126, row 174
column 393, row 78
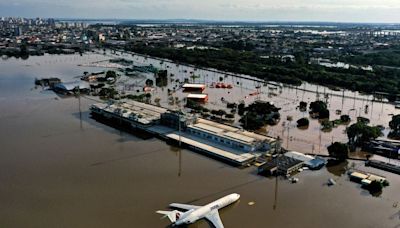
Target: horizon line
column 188, row 20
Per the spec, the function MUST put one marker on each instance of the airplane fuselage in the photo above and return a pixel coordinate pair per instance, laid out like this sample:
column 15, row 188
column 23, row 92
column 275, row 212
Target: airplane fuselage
column 193, row 215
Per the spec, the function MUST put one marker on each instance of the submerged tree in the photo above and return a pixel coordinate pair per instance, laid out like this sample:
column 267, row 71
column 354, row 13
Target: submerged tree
column 338, row 150
column 318, row 106
column 303, row 122
column 394, row 125
column 360, row 133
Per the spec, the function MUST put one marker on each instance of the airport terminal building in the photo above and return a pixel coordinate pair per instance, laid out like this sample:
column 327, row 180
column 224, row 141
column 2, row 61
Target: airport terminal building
column 231, row 136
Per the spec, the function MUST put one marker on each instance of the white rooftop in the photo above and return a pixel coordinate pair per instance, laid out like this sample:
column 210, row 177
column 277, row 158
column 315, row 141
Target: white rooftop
column 198, row 96
column 196, row 86
column 230, row 132
column 209, row 128
column 239, row 137
column 239, row 158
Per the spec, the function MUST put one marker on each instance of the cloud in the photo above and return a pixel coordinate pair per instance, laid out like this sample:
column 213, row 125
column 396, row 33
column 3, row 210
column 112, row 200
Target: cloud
column 322, row 10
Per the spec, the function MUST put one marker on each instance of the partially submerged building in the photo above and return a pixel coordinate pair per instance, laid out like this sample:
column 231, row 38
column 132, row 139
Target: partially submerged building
column 309, row 161
column 365, row 178
column 193, row 87
column 202, row 98
column 135, row 113
column 69, row 87
column 231, row 136
column 280, row 165
column 385, row 147
column 229, row 143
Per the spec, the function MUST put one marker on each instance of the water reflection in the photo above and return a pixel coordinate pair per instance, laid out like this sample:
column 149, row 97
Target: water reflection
column 70, row 185
column 337, row 168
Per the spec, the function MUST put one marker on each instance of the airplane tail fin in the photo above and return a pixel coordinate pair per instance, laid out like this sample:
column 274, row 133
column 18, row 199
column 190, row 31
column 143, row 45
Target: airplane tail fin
column 172, row 215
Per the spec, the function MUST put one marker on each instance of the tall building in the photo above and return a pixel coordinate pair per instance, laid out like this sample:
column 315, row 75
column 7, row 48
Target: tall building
column 18, row 31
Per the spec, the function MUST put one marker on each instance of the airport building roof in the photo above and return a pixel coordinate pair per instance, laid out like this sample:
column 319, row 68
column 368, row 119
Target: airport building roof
column 209, row 128
column 137, row 111
column 69, row 86
column 299, row 156
column 229, row 132
column 237, row 158
column 239, row 137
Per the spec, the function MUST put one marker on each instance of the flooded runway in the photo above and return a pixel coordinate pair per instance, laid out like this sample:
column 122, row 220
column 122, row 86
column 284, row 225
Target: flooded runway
column 60, row 170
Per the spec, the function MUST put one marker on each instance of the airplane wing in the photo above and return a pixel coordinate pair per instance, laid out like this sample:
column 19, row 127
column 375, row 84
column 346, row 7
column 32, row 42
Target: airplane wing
column 214, row 218
column 183, row 206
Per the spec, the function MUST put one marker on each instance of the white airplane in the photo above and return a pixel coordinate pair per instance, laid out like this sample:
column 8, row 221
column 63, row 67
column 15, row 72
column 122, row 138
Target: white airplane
column 194, row 213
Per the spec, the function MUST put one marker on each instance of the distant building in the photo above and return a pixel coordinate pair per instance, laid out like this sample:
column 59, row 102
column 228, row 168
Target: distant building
column 18, row 31
column 193, row 87
column 67, row 87
column 101, row 37
column 198, row 97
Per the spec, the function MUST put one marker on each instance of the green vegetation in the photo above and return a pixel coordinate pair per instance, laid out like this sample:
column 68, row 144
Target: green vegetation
column 363, row 120
column 303, row 122
column 144, row 97
column 194, row 105
column 259, row 114
column 241, row 108
column 273, row 69
column 360, row 133
column 383, row 58
column 230, row 116
column 319, row 109
column 111, row 74
column 345, row 118
column 323, row 114
column 327, row 125
column 317, row 106
column 394, row 125
column 376, row 186
column 219, row 113
column 108, row 93
column 303, row 106
column 149, row 82
column 338, row 150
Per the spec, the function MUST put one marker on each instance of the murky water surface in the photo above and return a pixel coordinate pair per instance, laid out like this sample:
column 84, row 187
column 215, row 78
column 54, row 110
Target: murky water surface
column 60, row 168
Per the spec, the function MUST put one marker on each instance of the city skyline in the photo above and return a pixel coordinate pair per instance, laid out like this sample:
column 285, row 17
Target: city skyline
column 369, row 11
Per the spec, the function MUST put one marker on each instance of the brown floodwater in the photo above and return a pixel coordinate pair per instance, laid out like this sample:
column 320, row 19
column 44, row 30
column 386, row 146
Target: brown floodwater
column 60, row 168
column 310, row 140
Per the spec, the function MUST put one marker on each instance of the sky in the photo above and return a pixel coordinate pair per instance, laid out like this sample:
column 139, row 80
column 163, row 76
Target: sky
column 387, row 11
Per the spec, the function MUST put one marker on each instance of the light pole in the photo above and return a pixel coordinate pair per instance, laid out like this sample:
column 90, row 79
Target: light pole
column 78, row 92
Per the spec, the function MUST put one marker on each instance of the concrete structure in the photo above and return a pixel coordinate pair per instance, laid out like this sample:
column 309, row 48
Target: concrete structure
column 136, row 113
column 365, row 178
column 212, row 150
column 280, row 165
column 309, row 161
column 194, row 87
column 176, row 120
column 217, row 140
column 70, row 86
column 198, row 97
column 231, row 136
column 384, row 166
